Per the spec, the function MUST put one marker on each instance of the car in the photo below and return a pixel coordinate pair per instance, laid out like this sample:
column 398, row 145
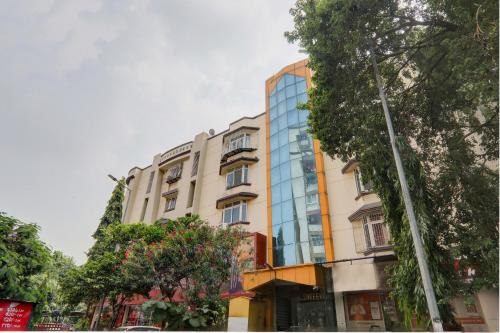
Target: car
column 138, row 328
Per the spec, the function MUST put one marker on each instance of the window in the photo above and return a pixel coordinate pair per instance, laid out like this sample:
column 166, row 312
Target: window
column 150, row 183
column 170, row 203
column 144, row 207
column 361, row 187
column 192, row 187
column 196, row 159
column 239, row 141
column 237, row 176
column 235, row 212
column 316, row 239
column 375, row 230
column 174, row 172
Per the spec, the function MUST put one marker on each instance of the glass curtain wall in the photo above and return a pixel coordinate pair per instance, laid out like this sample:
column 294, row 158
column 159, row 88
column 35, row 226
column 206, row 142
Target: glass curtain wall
column 296, row 215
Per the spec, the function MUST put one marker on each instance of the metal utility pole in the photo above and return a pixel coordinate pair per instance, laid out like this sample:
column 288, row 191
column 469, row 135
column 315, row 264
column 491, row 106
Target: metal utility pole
column 113, row 178
column 417, row 241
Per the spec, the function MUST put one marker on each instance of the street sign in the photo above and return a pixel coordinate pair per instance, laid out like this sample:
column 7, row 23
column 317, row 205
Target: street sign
column 14, row 315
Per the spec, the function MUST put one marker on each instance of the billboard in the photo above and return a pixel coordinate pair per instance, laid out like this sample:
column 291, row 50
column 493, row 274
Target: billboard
column 14, row 315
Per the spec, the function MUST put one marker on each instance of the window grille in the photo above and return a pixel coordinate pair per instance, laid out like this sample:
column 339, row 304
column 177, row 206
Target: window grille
column 235, row 212
column 237, row 176
column 150, row 183
column 196, row 159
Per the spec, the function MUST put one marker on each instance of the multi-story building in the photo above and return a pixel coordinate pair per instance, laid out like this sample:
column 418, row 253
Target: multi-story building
column 320, row 241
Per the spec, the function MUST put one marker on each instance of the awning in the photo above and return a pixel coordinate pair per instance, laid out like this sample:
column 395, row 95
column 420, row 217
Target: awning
column 169, row 193
column 307, row 274
column 364, row 210
column 236, row 163
column 235, row 197
column 350, row 165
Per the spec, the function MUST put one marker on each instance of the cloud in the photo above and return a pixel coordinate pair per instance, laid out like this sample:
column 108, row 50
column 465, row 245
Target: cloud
column 92, row 87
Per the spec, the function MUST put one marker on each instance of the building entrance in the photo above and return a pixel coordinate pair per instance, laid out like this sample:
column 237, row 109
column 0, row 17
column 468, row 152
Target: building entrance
column 302, row 308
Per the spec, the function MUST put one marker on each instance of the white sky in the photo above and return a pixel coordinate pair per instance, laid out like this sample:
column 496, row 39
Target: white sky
column 95, row 87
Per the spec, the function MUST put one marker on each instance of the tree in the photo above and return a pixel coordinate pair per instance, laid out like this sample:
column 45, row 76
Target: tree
column 102, row 276
column 113, row 211
column 191, row 262
column 50, row 279
column 22, row 257
column 439, row 61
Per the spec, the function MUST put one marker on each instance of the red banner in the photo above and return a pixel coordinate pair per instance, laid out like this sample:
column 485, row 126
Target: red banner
column 14, row 316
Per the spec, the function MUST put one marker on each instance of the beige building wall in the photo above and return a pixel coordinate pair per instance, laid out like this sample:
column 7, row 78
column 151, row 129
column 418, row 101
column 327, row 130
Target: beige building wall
column 213, row 185
column 343, row 200
column 210, row 185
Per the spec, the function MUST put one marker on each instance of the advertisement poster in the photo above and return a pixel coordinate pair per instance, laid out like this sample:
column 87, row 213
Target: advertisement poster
column 364, row 307
column 251, row 256
column 14, row 316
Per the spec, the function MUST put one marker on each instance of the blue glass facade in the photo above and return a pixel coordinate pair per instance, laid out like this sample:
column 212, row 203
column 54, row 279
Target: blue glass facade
column 296, row 215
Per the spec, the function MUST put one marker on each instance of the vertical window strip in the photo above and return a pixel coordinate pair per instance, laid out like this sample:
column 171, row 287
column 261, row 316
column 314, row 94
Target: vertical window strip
column 150, row 183
column 196, row 159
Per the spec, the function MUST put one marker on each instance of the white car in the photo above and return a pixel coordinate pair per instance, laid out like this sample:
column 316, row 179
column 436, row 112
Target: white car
column 138, row 328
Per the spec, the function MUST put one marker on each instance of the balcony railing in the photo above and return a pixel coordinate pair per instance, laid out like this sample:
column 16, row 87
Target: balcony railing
column 230, row 150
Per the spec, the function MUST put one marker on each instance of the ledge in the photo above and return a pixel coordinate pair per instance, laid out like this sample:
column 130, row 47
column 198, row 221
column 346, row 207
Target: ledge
column 350, row 165
column 172, row 180
column 241, row 128
column 236, row 162
column 235, row 152
column 169, row 193
column 174, row 157
column 235, row 197
column 362, row 194
column 364, row 210
column 377, row 249
column 242, row 184
column 238, row 223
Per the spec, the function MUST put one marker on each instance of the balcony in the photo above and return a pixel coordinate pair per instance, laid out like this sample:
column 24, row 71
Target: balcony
column 234, row 149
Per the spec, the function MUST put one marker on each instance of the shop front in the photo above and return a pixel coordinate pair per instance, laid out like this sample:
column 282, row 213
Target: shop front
column 291, row 298
column 371, row 311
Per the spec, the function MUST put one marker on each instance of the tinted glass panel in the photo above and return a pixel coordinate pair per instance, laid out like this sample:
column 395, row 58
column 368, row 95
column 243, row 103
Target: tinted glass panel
column 294, row 191
column 274, row 127
column 282, row 121
column 293, row 118
column 283, row 137
column 281, row 95
column 276, row 194
column 281, row 108
column 275, row 158
column 287, row 211
column 289, row 79
column 288, row 232
column 276, row 214
column 281, row 84
column 274, row 140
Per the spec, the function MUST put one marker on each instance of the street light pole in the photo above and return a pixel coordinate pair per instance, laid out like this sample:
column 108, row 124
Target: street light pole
column 128, row 197
column 95, row 323
column 417, row 241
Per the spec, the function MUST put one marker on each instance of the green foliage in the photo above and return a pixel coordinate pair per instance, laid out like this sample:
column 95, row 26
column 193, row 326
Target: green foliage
column 103, row 274
column 50, row 280
column 113, row 211
column 29, row 271
column 22, row 257
column 82, row 324
column 439, row 63
column 193, row 260
column 179, row 316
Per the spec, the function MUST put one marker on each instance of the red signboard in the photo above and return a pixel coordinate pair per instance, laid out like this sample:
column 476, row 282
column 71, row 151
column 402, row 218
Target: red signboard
column 14, row 316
